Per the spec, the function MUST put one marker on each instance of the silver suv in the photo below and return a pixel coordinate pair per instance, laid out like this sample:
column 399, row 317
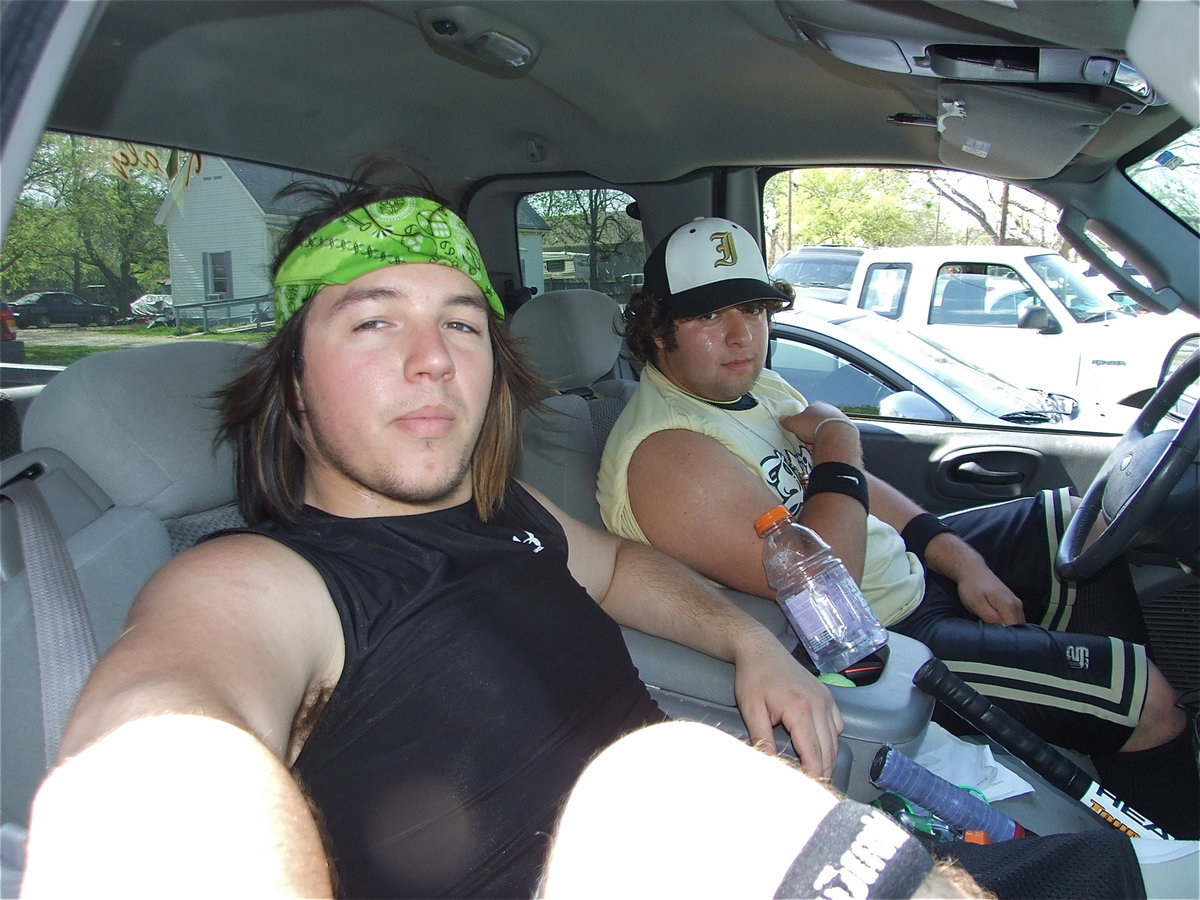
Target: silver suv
column 822, row 272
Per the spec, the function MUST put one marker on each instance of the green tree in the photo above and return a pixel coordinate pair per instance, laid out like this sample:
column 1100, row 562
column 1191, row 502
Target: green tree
column 595, row 222
column 878, row 207
column 854, row 206
column 82, row 220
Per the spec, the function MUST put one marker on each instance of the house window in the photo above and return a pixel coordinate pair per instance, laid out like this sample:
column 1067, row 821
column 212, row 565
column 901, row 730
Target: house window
column 218, row 275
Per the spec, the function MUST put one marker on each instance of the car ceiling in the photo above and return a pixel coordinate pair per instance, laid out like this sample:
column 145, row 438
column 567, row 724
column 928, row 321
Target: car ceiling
column 624, row 91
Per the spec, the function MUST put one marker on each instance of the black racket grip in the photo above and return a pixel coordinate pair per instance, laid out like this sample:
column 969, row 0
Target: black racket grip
column 977, row 711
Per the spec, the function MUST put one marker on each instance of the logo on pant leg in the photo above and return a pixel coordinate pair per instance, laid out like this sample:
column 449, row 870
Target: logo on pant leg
column 1077, row 657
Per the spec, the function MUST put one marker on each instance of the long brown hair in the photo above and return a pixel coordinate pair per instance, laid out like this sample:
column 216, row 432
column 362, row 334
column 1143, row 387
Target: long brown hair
column 261, row 409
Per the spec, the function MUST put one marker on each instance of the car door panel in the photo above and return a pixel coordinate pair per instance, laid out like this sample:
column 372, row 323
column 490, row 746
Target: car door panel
column 947, row 467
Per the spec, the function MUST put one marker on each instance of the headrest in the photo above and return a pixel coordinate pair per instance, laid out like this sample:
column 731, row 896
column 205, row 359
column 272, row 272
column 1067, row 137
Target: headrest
column 964, row 292
column 570, row 336
column 141, row 423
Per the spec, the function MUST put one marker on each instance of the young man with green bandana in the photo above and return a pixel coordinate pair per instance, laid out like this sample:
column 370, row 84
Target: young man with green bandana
column 405, row 645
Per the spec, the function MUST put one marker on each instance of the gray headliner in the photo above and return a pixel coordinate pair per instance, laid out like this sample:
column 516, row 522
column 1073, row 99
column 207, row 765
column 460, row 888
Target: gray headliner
column 625, row 91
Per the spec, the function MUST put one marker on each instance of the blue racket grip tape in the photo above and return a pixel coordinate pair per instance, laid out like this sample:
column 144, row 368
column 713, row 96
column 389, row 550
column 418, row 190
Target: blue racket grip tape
column 892, row 771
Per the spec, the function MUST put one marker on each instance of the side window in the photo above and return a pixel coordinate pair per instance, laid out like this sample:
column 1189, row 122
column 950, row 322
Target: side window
column 883, row 288
column 218, row 275
column 980, row 295
column 820, row 374
column 580, row 239
column 153, row 234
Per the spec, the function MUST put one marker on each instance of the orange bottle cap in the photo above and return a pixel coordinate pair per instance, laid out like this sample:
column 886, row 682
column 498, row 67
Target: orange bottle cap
column 976, row 837
column 770, row 517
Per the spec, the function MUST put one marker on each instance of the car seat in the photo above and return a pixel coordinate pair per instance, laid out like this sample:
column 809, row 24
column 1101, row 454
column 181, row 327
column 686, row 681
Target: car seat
column 121, row 449
column 962, row 303
column 571, row 338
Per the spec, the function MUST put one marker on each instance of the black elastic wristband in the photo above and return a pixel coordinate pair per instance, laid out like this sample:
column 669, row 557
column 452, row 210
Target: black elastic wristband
column 838, row 478
column 857, row 851
column 920, row 530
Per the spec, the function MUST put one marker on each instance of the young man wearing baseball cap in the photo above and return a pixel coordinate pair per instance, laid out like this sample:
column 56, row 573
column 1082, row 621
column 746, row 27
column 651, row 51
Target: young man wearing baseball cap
column 712, row 439
column 405, row 637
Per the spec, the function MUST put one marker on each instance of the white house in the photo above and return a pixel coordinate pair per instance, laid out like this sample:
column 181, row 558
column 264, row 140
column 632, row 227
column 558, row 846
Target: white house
column 531, row 232
column 223, row 223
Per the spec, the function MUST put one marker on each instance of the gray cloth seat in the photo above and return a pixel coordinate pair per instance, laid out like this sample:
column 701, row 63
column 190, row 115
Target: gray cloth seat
column 121, row 446
column 962, row 303
column 571, row 338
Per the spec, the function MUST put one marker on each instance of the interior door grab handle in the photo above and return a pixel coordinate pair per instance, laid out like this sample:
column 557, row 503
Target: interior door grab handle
column 973, row 471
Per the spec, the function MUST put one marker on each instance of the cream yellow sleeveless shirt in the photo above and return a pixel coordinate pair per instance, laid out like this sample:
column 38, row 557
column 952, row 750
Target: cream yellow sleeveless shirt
column 893, row 581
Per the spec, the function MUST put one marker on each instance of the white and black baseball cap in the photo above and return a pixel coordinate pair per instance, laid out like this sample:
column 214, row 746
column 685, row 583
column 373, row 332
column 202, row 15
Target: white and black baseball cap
column 706, row 265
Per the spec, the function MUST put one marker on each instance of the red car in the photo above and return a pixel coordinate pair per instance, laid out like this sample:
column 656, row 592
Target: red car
column 8, row 323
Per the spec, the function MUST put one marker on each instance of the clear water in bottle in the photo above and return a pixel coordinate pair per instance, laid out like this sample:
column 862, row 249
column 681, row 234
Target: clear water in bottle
column 817, row 594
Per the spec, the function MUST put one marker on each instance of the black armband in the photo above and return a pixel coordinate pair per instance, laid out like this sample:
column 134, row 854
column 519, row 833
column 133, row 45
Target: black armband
column 838, row 478
column 920, row 530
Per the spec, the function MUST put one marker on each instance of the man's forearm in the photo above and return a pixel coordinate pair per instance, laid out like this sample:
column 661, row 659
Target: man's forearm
column 951, row 556
column 661, row 597
column 172, row 806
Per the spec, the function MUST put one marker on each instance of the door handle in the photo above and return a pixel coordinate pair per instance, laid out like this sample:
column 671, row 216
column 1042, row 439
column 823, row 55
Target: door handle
column 974, row 472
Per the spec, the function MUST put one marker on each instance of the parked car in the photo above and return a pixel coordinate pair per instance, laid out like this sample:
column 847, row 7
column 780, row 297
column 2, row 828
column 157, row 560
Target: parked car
column 685, row 110
column 822, row 272
column 1023, row 313
column 8, row 323
column 12, row 349
column 41, row 310
column 868, row 366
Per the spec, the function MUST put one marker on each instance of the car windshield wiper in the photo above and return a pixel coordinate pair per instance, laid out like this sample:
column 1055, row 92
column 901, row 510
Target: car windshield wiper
column 1031, row 417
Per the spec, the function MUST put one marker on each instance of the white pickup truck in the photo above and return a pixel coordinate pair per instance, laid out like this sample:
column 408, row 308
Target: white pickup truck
column 1022, row 313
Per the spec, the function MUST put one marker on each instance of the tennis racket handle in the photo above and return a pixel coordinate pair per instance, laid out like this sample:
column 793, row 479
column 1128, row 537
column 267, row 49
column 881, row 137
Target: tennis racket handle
column 978, row 711
column 892, row 771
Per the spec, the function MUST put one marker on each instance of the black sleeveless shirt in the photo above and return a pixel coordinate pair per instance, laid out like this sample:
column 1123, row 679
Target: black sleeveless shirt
column 479, row 679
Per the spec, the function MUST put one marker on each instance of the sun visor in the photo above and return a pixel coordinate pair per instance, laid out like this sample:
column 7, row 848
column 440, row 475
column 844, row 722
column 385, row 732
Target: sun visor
column 1013, row 132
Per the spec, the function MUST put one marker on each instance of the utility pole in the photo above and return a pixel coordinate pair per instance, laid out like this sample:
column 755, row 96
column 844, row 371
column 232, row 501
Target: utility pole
column 789, row 205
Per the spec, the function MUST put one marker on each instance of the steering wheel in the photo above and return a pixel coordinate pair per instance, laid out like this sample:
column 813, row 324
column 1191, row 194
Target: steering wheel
column 1134, row 481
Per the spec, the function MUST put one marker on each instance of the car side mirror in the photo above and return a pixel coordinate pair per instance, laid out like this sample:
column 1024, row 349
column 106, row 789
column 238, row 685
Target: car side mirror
column 1037, row 317
column 911, row 405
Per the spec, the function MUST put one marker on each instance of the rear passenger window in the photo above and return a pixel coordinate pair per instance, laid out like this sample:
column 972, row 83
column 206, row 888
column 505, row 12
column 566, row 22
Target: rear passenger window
column 884, row 287
column 974, row 294
column 580, row 239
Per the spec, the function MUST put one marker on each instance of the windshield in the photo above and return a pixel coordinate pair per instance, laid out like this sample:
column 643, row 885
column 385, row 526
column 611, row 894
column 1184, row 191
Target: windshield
column 817, row 271
column 983, row 389
column 1065, row 282
column 1172, row 177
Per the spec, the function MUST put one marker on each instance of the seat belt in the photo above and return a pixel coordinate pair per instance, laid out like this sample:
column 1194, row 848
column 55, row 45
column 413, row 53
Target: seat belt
column 66, row 647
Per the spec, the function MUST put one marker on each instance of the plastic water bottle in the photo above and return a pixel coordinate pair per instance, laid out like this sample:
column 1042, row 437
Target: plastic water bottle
column 819, row 597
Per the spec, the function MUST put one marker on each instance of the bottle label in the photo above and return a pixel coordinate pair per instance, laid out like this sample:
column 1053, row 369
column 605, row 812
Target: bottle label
column 832, row 620
column 807, row 621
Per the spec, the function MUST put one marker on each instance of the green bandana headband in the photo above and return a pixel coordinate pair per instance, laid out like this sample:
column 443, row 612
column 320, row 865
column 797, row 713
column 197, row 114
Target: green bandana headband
column 402, row 230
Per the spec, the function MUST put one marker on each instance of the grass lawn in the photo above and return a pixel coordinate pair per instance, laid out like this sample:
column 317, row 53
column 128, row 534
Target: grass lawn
column 39, row 354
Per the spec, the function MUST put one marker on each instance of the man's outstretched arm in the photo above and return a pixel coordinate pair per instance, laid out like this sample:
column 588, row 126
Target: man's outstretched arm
column 979, row 588
column 644, row 589
column 174, row 806
column 173, row 779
